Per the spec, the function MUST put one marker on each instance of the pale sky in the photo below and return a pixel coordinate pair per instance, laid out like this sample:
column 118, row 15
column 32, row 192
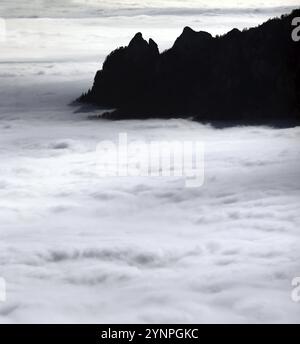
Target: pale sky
column 96, row 8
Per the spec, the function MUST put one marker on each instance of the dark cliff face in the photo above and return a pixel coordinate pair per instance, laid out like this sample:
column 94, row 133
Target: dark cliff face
column 126, row 74
column 249, row 75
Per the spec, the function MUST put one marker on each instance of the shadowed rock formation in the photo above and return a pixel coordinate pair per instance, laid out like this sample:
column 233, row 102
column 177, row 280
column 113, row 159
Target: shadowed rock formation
column 253, row 75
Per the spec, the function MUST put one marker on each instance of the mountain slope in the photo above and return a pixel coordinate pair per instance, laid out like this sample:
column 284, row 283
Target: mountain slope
column 248, row 75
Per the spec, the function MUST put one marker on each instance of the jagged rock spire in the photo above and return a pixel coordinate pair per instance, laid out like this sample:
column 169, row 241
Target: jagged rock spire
column 139, row 45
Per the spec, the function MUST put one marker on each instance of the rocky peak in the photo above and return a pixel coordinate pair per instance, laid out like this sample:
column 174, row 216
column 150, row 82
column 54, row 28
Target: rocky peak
column 234, row 33
column 153, row 46
column 139, row 45
column 188, row 31
column 138, row 42
column 191, row 39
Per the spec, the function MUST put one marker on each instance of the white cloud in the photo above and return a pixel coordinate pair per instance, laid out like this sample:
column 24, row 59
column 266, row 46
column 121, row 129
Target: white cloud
column 76, row 247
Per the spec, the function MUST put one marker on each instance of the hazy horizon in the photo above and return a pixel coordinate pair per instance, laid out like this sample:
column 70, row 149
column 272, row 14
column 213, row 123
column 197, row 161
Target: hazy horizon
column 98, row 8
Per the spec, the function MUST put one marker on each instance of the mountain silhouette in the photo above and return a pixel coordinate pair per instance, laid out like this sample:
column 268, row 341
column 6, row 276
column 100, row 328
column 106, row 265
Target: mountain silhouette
column 250, row 75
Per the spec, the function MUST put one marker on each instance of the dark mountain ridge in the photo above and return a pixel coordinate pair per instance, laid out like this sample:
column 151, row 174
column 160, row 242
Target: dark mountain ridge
column 246, row 75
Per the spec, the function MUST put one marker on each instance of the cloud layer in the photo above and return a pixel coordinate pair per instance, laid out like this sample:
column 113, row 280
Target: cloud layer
column 78, row 247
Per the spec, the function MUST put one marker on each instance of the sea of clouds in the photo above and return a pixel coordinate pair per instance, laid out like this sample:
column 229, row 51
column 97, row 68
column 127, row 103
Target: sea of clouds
column 75, row 246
